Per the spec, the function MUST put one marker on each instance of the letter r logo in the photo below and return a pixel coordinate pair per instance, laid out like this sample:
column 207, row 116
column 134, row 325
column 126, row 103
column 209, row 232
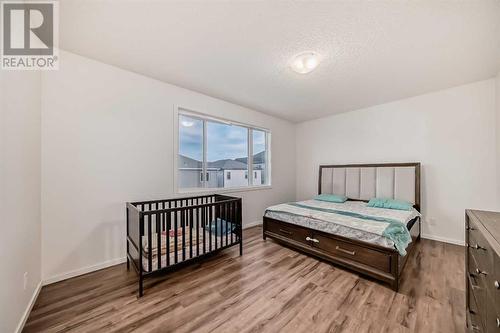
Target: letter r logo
column 28, row 28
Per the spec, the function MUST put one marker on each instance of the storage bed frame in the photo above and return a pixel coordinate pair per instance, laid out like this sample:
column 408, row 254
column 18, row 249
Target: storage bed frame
column 359, row 182
column 194, row 223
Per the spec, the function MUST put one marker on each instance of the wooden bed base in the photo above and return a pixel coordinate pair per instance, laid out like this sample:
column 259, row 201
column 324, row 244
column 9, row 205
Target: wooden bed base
column 381, row 263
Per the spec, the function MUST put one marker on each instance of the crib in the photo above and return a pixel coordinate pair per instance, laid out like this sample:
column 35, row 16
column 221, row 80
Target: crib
column 163, row 235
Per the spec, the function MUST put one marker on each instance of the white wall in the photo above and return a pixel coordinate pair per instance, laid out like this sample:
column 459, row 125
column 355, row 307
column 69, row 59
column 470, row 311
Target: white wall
column 19, row 194
column 107, row 139
column 451, row 132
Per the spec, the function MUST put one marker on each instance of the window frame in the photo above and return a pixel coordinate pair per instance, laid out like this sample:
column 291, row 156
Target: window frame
column 205, row 117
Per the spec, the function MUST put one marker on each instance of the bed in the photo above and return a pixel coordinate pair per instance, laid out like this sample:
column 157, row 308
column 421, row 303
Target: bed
column 372, row 241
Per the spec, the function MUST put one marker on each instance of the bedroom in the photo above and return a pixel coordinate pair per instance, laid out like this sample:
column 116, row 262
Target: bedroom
column 154, row 101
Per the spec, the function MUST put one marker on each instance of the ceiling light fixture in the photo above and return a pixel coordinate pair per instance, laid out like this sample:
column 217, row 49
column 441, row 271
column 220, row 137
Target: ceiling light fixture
column 305, row 62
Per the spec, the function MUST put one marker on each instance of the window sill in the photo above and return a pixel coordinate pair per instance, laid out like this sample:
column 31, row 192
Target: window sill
column 183, row 192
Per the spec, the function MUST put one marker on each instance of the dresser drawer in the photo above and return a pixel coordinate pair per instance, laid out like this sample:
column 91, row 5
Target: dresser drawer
column 349, row 250
column 289, row 231
column 493, row 281
column 482, row 235
column 474, row 322
column 485, row 258
column 482, row 252
column 492, row 317
column 477, row 288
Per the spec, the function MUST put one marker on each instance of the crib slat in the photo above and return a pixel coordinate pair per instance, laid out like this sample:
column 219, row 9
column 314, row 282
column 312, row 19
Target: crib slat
column 190, row 216
column 222, row 223
column 167, row 215
column 197, row 229
column 233, row 218
column 183, row 224
column 175, row 236
column 217, row 216
column 204, row 225
column 226, row 214
column 150, row 240
column 210, row 228
column 158, row 234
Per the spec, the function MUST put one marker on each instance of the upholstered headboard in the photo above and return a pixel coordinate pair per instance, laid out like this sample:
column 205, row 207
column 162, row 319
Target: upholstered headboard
column 365, row 181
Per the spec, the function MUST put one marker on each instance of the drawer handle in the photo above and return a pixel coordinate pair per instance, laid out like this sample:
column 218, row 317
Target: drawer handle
column 285, row 232
column 479, row 247
column 338, row 248
column 309, row 239
column 496, row 284
column 478, row 271
column 498, row 323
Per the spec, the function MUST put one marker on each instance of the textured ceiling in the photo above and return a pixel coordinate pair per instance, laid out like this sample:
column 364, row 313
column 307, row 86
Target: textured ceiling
column 372, row 51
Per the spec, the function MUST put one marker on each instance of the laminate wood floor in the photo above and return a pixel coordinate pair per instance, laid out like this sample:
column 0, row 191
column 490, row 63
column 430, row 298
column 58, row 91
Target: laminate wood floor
column 269, row 289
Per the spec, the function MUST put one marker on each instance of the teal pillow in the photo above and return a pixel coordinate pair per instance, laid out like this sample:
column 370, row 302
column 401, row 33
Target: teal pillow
column 389, row 204
column 331, row 198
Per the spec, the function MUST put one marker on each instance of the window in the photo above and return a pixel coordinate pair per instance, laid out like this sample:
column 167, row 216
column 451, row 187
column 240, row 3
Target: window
column 260, row 157
column 190, row 158
column 215, row 154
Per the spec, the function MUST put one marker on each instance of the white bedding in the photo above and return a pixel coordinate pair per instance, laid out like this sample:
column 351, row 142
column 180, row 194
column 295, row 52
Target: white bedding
column 346, row 226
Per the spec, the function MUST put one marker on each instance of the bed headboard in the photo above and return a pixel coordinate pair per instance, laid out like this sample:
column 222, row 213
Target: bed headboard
column 365, row 181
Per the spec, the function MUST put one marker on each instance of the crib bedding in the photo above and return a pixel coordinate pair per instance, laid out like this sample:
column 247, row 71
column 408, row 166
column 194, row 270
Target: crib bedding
column 351, row 219
column 217, row 241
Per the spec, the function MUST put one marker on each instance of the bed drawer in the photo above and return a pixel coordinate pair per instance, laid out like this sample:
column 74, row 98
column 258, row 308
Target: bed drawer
column 289, row 231
column 352, row 251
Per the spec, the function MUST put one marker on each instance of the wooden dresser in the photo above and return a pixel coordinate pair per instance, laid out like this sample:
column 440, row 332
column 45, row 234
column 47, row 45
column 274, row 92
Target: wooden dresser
column 482, row 267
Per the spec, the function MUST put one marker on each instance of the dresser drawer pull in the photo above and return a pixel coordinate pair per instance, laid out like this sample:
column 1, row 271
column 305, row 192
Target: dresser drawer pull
column 479, row 247
column 314, row 240
column 474, row 327
column 498, row 323
column 496, row 284
column 338, row 248
column 478, row 271
column 285, row 232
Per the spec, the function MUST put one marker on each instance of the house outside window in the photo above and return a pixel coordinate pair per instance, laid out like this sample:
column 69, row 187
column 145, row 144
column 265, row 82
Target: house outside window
column 215, row 154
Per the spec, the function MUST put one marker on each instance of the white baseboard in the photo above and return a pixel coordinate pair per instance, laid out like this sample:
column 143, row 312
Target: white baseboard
column 84, row 270
column 252, row 224
column 443, row 239
column 27, row 312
